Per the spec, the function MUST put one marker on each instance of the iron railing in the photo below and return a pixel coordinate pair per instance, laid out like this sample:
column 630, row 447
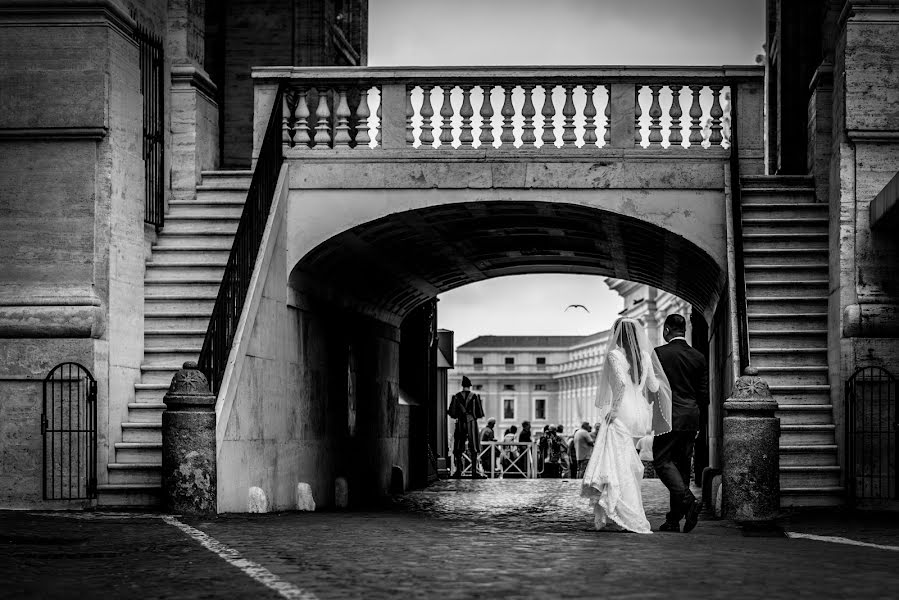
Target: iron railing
column 152, row 73
column 872, row 432
column 69, row 432
column 236, row 279
column 498, row 460
column 742, row 315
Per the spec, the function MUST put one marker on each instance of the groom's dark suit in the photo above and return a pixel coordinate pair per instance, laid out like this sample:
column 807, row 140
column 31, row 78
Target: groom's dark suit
column 688, row 374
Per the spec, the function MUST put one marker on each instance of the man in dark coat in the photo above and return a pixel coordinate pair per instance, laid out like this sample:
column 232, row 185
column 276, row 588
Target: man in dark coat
column 466, row 408
column 688, row 374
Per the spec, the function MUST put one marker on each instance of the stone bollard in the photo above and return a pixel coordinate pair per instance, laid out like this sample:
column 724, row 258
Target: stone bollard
column 188, row 444
column 751, row 456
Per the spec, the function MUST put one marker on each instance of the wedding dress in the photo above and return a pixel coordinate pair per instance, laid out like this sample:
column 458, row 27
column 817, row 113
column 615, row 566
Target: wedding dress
column 613, row 476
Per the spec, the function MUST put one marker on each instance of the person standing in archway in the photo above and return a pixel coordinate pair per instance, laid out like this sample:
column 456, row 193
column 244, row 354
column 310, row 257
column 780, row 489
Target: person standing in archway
column 688, row 374
column 466, row 408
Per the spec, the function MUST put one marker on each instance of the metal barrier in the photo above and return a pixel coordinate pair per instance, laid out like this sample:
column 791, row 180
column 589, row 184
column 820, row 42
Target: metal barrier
column 498, row 460
column 152, row 88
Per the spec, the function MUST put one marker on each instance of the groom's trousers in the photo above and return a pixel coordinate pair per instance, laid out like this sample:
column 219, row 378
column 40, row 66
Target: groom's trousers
column 671, row 454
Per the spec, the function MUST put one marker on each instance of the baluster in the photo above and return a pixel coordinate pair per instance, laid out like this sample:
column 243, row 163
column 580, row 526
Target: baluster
column 695, row 117
column 446, row 111
column 589, row 116
column 548, row 112
column 301, row 126
column 466, row 112
column 528, row 111
column 323, row 125
column 607, row 113
column 288, row 120
column 674, row 137
column 655, row 117
column 716, row 112
column 508, row 111
column 568, row 135
column 342, row 128
column 410, row 135
column 486, row 137
column 427, row 111
column 362, row 114
column 380, row 121
column 638, row 112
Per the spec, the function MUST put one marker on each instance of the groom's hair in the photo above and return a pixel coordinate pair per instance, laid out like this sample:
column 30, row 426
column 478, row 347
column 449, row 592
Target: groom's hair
column 676, row 323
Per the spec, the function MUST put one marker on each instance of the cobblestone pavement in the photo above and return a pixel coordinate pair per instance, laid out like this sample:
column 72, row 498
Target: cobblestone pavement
column 456, row 539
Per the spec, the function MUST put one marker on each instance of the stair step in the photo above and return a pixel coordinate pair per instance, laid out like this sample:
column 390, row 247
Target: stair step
column 142, row 432
column 175, row 239
column 153, row 306
column 163, row 373
column 806, row 476
column 164, row 356
column 189, row 256
column 183, row 271
column 801, row 394
column 788, row 357
column 178, row 321
column 226, row 179
column 129, row 495
column 160, row 338
column 125, row 473
column 774, row 338
column 785, row 288
column 200, row 225
column 782, row 256
column 145, row 412
column 777, row 241
column 230, row 208
column 805, row 414
column 785, row 272
column 790, row 304
column 808, row 454
column 777, row 181
column 208, row 286
column 787, row 321
column 136, row 452
column 793, row 375
column 804, row 435
column 791, row 209
column 812, row 496
column 150, row 392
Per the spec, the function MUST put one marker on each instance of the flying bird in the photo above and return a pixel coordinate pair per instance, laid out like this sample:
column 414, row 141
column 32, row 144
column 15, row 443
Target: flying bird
column 577, row 306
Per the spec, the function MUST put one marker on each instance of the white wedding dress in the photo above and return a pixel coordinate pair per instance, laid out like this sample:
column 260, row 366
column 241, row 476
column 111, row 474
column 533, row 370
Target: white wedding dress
column 613, row 475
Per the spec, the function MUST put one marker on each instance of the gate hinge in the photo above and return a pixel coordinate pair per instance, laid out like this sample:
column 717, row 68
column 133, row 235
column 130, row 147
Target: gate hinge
column 92, row 392
column 43, row 424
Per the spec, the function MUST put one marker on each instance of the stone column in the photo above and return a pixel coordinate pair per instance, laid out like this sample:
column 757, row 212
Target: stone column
column 188, row 444
column 751, row 473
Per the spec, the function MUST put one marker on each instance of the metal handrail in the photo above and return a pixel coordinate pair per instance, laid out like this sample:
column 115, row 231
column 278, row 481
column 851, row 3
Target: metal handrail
column 239, row 269
column 529, row 449
column 742, row 315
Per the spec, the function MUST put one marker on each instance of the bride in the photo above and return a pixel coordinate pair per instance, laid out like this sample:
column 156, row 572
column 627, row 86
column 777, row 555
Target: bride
column 634, row 400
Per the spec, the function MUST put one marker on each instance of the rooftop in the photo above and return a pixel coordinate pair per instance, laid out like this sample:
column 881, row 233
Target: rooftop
column 528, row 341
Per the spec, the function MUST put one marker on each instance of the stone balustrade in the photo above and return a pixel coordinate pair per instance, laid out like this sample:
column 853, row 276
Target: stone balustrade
column 559, row 109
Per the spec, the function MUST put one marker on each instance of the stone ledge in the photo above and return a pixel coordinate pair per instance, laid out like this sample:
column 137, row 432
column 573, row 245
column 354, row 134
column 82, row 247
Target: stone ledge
column 38, row 13
column 188, row 75
column 53, row 133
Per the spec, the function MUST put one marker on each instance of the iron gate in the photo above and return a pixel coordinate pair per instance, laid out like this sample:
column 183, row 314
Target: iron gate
column 872, row 422
column 69, row 431
column 152, row 72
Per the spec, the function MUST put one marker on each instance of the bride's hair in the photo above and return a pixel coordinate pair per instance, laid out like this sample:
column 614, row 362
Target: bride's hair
column 625, row 331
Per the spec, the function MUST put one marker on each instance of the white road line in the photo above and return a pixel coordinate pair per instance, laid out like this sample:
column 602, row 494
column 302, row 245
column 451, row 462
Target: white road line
column 233, row 557
column 838, row 540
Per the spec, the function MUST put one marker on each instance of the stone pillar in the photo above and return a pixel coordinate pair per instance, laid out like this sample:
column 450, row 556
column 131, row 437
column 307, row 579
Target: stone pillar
column 188, row 444
column 751, row 473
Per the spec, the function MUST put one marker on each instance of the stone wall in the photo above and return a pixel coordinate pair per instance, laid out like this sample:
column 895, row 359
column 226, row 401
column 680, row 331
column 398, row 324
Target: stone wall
column 864, row 269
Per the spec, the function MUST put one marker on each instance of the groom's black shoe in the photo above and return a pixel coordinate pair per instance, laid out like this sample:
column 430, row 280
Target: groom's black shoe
column 666, row 526
column 692, row 515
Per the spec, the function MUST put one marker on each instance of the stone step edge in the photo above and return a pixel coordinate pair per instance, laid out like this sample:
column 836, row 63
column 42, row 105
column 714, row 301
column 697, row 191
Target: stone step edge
column 802, row 407
column 778, row 282
column 787, row 350
column 782, row 250
column 147, row 405
column 759, row 205
column 189, row 249
column 776, row 332
column 800, row 388
column 217, row 202
column 151, row 386
column 178, row 314
column 809, row 448
column 129, row 425
column 138, row 445
column 187, row 265
column 785, row 220
column 802, row 368
column 212, row 217
column 767, row 267
column 127, row 487
column 159, row 368
column 792, row 315
column 164, row 349
column 179, row 297
column 812, row 490
column 800, row 468
column 800, row 234
column 185, row 332
column 193, row 281
column 784, row 298
column 133, row 466
column 806, row 427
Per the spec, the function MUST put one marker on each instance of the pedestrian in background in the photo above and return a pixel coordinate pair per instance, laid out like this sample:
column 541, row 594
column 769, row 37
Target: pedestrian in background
column 564, row 462
column 583, row 447
column 488, row 435
column 466, row 408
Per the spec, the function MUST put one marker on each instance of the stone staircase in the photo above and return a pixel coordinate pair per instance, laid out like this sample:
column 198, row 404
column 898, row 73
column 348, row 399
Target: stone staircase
column 180, row 285
column 786, row 264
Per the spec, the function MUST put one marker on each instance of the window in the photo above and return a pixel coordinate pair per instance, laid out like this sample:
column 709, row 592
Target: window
column 541, row 360
column 540, row 409
column 479, row 360
column 479, row 387
column 510, row 360
column 509, row 408
column 509, row 387
column 540, row 387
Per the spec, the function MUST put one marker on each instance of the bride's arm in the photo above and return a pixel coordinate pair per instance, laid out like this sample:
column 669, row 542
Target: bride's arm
column 618, row 373
column 652, row 382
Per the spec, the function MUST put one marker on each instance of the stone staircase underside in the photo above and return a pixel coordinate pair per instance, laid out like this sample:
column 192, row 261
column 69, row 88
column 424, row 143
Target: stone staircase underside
column 180, row 285
column 785, row 241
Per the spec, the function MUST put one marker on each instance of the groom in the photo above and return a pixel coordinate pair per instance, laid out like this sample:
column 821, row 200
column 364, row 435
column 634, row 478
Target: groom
column 688, row 374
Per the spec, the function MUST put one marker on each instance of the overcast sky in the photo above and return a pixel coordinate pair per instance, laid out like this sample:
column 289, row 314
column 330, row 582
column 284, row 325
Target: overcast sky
column 555, row 32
